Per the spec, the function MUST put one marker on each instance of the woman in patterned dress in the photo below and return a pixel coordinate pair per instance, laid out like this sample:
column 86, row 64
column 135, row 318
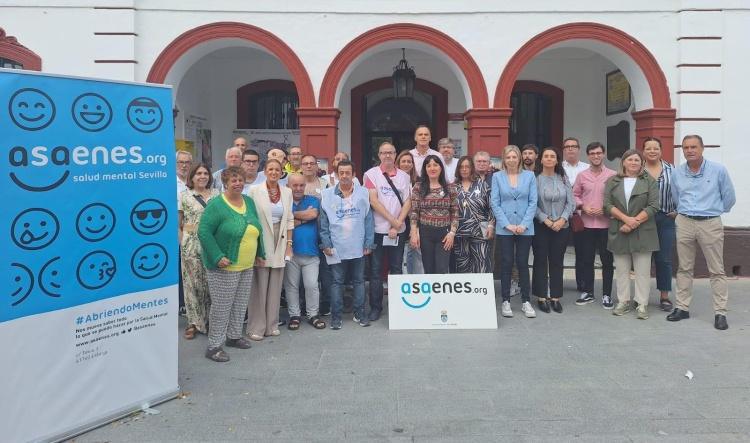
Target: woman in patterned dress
column 195, row 287
column 476, row 222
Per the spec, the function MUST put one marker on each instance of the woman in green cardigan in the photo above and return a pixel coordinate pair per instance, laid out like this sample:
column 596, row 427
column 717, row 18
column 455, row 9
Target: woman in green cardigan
column 229, row 231
column 631, row 199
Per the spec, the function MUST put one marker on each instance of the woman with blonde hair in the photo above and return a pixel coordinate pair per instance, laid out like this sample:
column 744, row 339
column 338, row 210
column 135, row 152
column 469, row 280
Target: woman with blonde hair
column 274, row 204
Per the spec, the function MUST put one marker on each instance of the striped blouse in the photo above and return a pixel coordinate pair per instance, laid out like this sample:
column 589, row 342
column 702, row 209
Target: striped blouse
column 438, row 208
column 664, row 181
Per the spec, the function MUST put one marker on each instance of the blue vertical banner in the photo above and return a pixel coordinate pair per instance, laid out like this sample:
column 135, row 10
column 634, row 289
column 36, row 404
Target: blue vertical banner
column 90, row 255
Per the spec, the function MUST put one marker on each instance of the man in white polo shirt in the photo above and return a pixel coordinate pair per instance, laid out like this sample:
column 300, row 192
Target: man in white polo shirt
column 390, row 199
column 422, row 149
column 573, row 166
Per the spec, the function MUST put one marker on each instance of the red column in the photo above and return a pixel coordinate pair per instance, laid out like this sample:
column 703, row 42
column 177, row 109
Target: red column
column 319, row 131
column 487, row 129
column 659, row 123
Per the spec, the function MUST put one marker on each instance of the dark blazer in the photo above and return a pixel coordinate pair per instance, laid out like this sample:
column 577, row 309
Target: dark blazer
column 645, row 197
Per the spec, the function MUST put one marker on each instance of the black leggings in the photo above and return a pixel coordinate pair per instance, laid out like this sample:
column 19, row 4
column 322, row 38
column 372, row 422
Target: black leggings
column 435, row 259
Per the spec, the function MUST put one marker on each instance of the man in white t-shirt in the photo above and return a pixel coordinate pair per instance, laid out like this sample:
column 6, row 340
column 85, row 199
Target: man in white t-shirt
column 422, row 137
column 390, row 199
column 250, row 164
column 573, row 166
column 447, row 151
column 184, row 162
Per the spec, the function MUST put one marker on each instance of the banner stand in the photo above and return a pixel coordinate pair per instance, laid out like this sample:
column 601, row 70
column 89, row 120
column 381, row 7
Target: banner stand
column 117, row 415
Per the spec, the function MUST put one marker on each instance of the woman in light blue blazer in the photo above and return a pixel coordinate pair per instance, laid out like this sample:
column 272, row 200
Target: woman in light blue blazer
column 513, row 200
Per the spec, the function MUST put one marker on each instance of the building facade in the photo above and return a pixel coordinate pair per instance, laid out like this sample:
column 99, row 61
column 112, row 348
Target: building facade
column 488, row 73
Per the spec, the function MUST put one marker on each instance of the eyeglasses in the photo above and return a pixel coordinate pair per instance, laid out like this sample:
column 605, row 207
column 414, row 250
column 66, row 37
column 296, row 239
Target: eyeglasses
column 183, row 162
column 250, row 162
column 571, row 147
column 309, row 163
column 388, row 153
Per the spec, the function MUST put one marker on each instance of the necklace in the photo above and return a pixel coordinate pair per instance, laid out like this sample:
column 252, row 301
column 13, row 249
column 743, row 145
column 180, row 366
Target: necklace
column 274, row 194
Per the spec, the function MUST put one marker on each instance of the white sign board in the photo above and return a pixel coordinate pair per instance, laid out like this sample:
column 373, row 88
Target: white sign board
column 449, row 301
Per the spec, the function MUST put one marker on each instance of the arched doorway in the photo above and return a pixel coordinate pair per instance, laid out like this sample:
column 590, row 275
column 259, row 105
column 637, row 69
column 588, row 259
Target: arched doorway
column 653, row 115
column 377, row 117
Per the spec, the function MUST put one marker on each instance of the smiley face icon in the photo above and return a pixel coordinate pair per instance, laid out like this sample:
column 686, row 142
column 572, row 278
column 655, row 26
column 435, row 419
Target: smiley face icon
column 91, row 112
column 96, row 269
column 149, row 260
column 144, row 114
column 95, row 222
column 31, row 109
column 50, row 278
column 21, row 282
column 34, row 228
column 148, row 216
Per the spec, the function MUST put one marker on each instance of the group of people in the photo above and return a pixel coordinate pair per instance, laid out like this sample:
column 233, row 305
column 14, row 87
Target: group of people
column 247, row 234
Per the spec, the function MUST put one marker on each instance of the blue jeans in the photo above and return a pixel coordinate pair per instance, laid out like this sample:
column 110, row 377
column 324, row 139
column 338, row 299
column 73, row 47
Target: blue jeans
column 665, row 227
column 355, row 268
column 395, row 255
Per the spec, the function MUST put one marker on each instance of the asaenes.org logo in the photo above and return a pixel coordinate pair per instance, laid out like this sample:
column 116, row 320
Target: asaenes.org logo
column 417, row 295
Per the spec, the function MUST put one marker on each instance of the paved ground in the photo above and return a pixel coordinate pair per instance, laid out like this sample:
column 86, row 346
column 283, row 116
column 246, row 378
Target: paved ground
column 584, row 375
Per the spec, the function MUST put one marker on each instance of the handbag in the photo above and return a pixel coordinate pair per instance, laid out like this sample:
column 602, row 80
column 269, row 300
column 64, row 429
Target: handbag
column 576, row 222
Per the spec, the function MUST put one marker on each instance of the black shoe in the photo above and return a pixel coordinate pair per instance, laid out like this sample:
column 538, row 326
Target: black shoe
column 375, row 314
column 556, row 306
column 217, row 354
column 678, row 314
column 585, row 298
column 720, row 322
column 241, row 343
column 543, row 305
column 325, row 311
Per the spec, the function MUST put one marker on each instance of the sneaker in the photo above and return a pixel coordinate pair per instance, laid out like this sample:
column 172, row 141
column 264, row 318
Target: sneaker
column 585, row 298
column 336, row 324
column 364, row 322
column 621, row 308
column 505, row 310
column 607, row 302
column 515, row 288
column 528, row 310
column 642, row 312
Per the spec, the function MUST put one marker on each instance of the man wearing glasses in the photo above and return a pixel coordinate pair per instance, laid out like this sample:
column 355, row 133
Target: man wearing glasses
column 573, row 166
column 390, row 198
column 250, row 164
column 184, row 161
column 314, row 185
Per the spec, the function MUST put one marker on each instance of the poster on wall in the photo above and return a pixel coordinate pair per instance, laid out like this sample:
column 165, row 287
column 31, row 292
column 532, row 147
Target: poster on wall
column 263, row 140
column 198, row 131
column 618, row 93
column 88, row 308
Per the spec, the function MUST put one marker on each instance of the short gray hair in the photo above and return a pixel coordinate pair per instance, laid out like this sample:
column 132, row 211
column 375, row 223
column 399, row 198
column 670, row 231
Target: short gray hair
column 445, row 141
column 180, row 152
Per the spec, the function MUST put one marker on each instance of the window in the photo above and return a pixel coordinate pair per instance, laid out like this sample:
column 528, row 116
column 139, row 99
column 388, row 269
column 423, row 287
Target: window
column 11, row 64
column 273, row 110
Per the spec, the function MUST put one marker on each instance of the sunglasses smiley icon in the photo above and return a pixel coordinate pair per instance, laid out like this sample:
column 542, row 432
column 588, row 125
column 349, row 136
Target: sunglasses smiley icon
column 148, row 216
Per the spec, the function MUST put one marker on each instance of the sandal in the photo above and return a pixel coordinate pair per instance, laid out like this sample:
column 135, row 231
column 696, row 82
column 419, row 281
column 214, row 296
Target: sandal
column 293, row 324
column 217, row 355
column 190, row 332
column 317, row 322
column 665, row 305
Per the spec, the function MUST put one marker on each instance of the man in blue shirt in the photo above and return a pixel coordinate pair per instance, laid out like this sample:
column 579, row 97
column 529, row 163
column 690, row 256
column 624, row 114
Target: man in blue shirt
column 305, row 260
column 702, row 191
column 347, row 234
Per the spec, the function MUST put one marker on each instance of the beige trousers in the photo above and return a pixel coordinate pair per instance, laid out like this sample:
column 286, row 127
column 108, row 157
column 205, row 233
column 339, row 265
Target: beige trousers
column 265, row 297
column 709, row 236
column 641, row 265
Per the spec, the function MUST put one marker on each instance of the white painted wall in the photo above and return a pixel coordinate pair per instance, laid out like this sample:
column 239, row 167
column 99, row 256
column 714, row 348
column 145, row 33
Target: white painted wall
column 62, row 33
